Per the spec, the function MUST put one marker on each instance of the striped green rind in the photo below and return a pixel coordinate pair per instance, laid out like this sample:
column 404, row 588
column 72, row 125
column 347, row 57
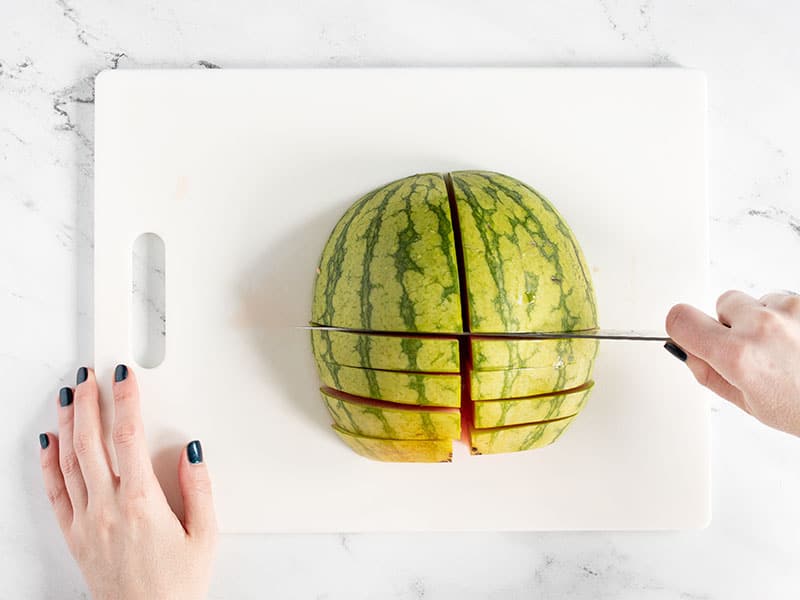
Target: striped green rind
column 398, row 450
column 389, row 264
column 379, row 420
column 391, row 353
column 423, row 389
column 518, row 383
column 524, row 268
column 517, row 437
column 489, row 355
column 500, row 413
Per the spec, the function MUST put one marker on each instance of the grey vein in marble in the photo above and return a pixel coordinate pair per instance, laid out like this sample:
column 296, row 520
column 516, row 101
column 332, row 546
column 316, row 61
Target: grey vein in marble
column 779, row 216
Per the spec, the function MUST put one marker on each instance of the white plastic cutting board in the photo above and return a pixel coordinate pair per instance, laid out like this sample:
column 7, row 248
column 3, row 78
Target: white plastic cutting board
column 244, row 173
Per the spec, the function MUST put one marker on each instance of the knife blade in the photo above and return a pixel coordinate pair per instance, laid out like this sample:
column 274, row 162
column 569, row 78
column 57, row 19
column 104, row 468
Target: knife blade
column 598, row 334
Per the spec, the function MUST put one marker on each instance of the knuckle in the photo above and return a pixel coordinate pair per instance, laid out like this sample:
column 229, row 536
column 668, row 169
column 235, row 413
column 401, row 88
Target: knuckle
column 202, row 488
column 137, row 507
column 201, row 485
column 48, row 461
column 79, row 548
column 125, row 433
column 83, row 443
column 121, row 393
column 55, row 495
column 676, row 316
column 793, row 305
column 736, row 358
column 105, row 518
column 69, row 464
column 135, row 490
column 766, row 322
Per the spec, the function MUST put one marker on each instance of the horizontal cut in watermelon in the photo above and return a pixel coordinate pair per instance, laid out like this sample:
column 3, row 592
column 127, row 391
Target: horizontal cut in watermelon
column 373, row 418
column 519, row 383
column 518, row 437
column 423, row 389
column 500, row 413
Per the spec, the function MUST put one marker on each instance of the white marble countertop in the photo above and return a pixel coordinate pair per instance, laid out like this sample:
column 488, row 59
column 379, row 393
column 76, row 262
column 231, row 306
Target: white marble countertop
column 49, row 55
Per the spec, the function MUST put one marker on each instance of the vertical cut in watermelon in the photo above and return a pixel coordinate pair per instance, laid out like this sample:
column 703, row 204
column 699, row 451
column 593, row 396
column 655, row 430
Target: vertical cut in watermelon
column 423, row 258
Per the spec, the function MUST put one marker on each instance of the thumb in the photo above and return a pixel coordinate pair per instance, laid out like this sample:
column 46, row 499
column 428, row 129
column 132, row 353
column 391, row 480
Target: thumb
column 199, row 518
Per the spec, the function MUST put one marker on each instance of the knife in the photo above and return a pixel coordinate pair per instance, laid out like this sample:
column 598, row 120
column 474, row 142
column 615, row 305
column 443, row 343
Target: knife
column 598, row 334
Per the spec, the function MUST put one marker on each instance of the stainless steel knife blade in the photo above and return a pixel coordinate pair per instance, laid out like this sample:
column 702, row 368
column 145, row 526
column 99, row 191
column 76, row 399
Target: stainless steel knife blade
column 599, row 334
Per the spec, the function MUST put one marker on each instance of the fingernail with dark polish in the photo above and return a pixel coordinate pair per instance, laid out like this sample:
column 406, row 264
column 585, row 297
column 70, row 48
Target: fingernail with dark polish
column 83, row 375
column 65, row 396
column 675, row 351
column 44, row 441
column 120, row 373
column 194, row 451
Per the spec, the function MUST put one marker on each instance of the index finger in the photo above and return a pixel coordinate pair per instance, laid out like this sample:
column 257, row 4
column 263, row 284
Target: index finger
column 787, row 303
column 133, row 460
column 734, row 306
column 701, row 335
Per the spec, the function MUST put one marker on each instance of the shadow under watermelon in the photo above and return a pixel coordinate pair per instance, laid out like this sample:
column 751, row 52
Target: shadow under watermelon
column 275, row 294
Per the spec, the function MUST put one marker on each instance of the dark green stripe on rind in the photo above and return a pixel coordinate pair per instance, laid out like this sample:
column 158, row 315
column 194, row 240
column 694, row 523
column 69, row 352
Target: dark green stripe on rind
column 389, row 264
column 364, row 417
column 332, row 262
column 385, row 352
column 422, row 389
column 398, row 450
column 519, row 383
column 490, row 355
column 501, row 413
column 522, row 262
column 518, row 437
column 567, row 233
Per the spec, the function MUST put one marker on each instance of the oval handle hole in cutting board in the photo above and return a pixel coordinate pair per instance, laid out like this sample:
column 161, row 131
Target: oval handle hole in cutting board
column 149, row 318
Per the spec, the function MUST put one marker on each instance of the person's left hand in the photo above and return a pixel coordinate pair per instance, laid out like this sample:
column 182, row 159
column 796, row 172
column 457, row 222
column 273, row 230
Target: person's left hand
column 119, row 528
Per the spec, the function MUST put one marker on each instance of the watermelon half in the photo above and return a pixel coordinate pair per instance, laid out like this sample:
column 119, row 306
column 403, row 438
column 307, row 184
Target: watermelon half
column 427, row 256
